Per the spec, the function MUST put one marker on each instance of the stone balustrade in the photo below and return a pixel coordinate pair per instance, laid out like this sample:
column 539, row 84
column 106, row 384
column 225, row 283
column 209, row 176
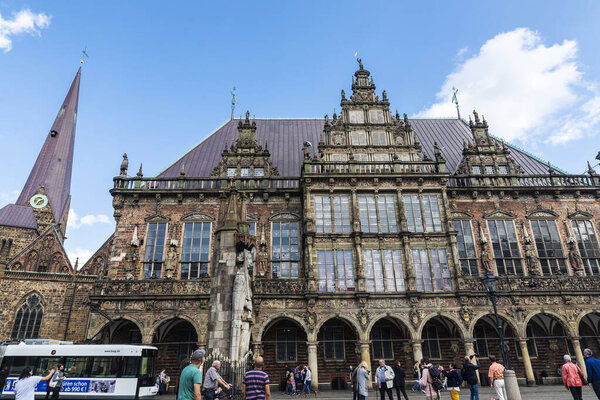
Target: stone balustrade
column 535, row 283
column 279, row 286
column 152, row 287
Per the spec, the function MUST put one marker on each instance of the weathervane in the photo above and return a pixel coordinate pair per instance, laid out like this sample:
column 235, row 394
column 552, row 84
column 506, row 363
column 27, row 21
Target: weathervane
column 455, row 100
column 233, row 101
column 84, row 55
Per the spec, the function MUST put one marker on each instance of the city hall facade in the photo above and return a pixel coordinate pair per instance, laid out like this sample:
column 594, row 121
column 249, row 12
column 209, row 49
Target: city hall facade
column 322, row 242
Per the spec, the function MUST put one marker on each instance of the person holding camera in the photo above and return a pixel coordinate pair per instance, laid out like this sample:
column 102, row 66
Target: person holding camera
column 469, row 374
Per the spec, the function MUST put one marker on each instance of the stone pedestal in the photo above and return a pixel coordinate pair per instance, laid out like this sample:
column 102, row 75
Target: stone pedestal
column 511, row 385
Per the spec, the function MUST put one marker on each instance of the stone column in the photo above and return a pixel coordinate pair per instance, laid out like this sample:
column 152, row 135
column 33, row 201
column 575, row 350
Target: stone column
column 313, row 364
column 365, row 356
column 579, row 355
column 527, row 362
column 417, row 350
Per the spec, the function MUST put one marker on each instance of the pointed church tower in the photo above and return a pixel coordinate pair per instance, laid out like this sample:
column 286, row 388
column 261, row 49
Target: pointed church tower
column 44, row 200
column 48, row 187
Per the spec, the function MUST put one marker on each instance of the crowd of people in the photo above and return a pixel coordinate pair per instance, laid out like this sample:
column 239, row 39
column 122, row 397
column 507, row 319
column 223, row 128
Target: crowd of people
column 298, row 380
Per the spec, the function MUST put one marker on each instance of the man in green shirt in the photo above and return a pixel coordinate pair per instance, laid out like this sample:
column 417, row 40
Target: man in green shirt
column 190, row 379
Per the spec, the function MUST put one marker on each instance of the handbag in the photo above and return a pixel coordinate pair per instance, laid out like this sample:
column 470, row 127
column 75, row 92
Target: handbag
column 583, row 380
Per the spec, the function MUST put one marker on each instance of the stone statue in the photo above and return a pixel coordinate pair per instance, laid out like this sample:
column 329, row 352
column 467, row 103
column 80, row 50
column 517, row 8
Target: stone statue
column 124, row 165
column 531, row 258
column 131, row 261
column 263, row 260
column 486, row 258
column 241, row 307
column 574, row 258
column 171, row 262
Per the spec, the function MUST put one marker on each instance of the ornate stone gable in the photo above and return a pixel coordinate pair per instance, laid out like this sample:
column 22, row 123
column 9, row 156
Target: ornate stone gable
column 484, row 156
column 45, row 254
column 98, row 263
column 246, row 158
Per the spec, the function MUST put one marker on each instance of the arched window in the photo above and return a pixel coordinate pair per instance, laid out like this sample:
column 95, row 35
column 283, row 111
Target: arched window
column 28, row 319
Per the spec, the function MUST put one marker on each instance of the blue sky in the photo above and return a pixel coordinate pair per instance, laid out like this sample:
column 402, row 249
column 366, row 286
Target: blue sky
column 159, row 76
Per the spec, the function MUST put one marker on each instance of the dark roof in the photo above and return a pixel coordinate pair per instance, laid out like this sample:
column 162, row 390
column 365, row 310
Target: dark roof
column 285, row 137
column 53, row 167
column 17, row 216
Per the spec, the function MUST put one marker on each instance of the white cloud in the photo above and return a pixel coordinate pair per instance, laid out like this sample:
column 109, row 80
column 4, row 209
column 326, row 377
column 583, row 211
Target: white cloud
column 82, row 254
column 525, row 89
column 23, row 22
column 8, row 197
column 76, row 222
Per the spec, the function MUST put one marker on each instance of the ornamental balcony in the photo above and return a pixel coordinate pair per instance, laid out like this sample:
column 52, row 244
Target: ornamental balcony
column 529, row 284
column 152, row 287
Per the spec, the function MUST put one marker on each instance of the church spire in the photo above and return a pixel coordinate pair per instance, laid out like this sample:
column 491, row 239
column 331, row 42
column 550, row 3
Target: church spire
column 52, row 169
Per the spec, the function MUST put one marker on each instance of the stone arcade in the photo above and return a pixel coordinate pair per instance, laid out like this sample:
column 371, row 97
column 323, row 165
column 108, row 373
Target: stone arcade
column 324, row 242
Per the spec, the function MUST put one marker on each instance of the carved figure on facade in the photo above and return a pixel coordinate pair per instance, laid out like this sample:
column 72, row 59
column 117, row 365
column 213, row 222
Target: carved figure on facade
column 415, row 317
column 574, row 258
column 124, row 165
column 531, row 258
column 171, row 261
column 465, row 315
column 311, row 315
column 241, row 307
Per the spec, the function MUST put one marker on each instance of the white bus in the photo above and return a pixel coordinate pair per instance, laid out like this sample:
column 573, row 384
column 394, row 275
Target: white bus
column 95, row 371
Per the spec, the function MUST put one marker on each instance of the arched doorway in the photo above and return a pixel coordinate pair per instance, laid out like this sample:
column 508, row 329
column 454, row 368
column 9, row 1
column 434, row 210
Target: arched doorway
column 390, row 340
column 337, row 350
column 589, row 332
column 547, row 342
column 283, row 346
column 486, row 342
column 175, row 339
column 442, row 341
column 121, row 331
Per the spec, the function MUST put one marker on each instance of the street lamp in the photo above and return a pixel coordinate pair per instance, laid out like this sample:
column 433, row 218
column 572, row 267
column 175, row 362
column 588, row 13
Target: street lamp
column 490, row 282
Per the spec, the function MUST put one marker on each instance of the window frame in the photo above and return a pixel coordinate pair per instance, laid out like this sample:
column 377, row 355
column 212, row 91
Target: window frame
column 290, row 261
column 593, row 245
column 344, row 214
column 153, row 262
column 412, row 219
column 556, row 246
column 430, row 281
column 334, row 282
column 31, row 329
column 333, row 342
column 201, row 273
column 377, row 112
column 360, row 116
column 428, row 341
column 377, row 214
column 471, row 263
column 381, row 136
column 287, row 343
column 516, row 261
column 361, row 135
column 379, row 273
column 382, row 342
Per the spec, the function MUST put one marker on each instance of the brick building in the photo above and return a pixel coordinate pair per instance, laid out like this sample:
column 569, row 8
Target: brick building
column 330, row 241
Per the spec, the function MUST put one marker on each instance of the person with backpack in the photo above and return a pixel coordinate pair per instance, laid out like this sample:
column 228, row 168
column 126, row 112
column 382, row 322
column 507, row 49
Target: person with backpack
column 469, row 374
column 454, row 381
column 384, row 377
column 431, row 381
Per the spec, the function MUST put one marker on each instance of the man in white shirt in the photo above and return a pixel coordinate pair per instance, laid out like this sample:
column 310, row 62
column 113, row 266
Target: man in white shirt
column 25, row 386
column 384, row 377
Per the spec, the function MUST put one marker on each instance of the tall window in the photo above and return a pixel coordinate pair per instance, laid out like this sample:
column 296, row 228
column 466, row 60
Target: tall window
column 466, row 247
column 549, row 249
column 333, row 343
column 155, row 246
column 381, row 337
column 332, row 214
column 28, row 318
column 358, row 138
column 383, row 270
column 481, row 341
column 431, row 343
column 588, row 245
column 336, row 270
column 196, row 249
column 377, row 215
column 285, row 250
column 431, row 269
column 286, row 344
column 506, row 248
column 423, row 213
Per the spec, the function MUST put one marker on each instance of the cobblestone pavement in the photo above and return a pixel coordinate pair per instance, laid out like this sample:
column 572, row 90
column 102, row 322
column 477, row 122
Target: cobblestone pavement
column 545, row 392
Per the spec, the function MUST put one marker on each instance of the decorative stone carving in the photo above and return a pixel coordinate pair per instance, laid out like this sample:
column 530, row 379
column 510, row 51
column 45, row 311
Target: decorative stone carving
column 171, row 261
column 574, row 258
column 531, row 258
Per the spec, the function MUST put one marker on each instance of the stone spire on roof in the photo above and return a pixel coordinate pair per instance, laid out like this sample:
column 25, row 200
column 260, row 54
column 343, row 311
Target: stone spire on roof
column 53, row 167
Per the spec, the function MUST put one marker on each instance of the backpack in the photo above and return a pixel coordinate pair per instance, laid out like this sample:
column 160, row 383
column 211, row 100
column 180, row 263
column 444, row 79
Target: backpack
column 436, row 379
column 459, row 380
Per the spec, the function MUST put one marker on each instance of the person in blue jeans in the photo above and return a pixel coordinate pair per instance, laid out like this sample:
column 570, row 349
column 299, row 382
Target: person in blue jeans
column 307, row 381
column 592, row 365
column 417, row 376
column 469, row 374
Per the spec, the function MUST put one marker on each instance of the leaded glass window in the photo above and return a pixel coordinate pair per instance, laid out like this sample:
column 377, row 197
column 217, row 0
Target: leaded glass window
column 361, row 157
column 379, row 138
column 431, row 343
column 381, row 337
column 489, row 170
column 383, row 270
column 431, row 269
column 476, row 170
column 259, row 171
column 286, row 344
column 466, row 247
column 381, row 157
column 285, row 249
column 28, row 319
column 358, row 138
column 503, row 170
column 357, row 116
column 506, row 247
column 588, row 245
column 423, row 213
column 245, row 172
column 377, row 214
column 332, row 214
column 231, row 172
column 549, row 248
column 376, row 116
column 339, row 157
column 155, row 246
column 336, row 270
column 196, row 250
column 333, row 343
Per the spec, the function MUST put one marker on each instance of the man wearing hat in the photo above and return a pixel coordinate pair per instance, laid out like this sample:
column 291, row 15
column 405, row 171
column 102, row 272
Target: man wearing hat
column 190, row 380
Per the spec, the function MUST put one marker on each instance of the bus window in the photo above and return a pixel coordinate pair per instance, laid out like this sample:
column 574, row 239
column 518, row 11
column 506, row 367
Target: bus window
column 105, row 367
column 147, row 367
column 130, row 367
column 76, row 367
column 17, row 365
column 45, row 364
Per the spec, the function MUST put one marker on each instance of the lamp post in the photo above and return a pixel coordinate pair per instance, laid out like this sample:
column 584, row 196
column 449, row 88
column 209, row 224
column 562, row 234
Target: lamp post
column 490, row 282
